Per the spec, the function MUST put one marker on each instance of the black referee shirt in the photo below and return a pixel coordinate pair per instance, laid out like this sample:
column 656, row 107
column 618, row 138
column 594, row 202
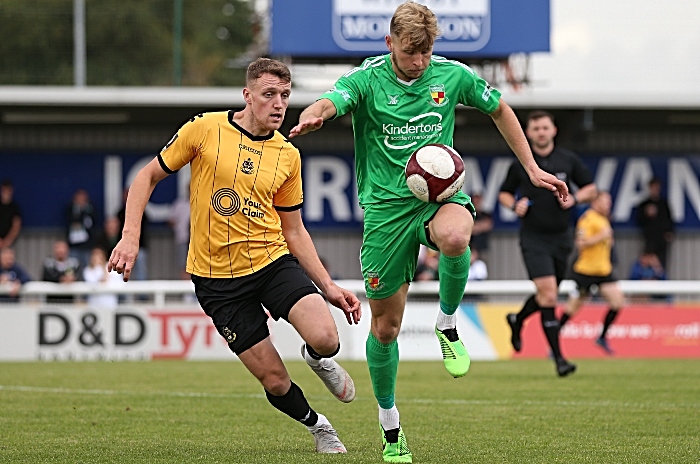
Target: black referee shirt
column 545, row 214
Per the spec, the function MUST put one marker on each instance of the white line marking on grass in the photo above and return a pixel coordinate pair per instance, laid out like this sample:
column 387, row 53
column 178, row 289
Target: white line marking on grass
column 72, row 391
column 516, row 403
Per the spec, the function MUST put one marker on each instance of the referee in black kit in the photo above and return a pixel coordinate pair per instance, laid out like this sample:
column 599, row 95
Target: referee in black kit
column 546, row 238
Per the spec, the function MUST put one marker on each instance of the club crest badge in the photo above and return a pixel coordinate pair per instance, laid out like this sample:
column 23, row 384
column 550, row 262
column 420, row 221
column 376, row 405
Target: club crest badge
column 437, row 95
column 247, row 167
column 374, row 282
column 228, row 335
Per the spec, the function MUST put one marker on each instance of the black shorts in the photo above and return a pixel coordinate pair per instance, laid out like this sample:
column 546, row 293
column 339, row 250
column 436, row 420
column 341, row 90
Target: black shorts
column 546, row 254
column 585, row 282
column 235, row 305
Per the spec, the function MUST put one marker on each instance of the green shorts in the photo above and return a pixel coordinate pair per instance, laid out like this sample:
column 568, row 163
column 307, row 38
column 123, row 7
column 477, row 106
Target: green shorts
column 393, row 233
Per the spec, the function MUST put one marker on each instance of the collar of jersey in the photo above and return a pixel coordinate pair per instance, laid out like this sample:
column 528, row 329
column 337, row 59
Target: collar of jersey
column 413, row 87
column 254, row 138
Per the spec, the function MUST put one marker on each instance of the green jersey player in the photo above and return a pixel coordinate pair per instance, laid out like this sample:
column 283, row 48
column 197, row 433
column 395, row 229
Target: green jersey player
column 400, row 102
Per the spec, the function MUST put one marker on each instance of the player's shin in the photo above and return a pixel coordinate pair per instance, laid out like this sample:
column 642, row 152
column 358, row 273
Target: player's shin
column 383, row 363
column 454, row 271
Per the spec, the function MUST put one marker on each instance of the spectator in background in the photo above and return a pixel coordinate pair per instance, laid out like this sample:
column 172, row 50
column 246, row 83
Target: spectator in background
column 428, row 263
column 477, row 267
column 179, row 221
column 109, row 237
column 483, row 225
column 10, row 215
column 140, row 269
column 96, row 273
column 647, row 267
column 62, row 268
column 12, row 275
column 80, row 220
column 654, row 217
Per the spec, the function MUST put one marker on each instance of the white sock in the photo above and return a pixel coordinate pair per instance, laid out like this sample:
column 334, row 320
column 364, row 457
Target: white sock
column 389, row 418
column 445, row 321
column 321, row 421
column 309, row 360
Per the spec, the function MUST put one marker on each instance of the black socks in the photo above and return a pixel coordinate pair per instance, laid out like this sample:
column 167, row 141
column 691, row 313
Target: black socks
column 609, row 318
column 550, row 325
column 294, row 404
column 529, row 307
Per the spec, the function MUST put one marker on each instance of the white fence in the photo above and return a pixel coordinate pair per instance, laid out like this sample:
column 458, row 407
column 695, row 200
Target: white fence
column 158, row 290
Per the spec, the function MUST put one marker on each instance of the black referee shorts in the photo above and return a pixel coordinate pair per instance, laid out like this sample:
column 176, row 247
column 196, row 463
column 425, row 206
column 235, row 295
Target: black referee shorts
column 546, row 254
column 235, row 305
column 585, row 282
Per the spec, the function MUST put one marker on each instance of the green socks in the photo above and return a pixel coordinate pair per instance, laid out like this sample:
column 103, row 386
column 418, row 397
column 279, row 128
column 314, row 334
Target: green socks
column 383, row 363
column 453, row 271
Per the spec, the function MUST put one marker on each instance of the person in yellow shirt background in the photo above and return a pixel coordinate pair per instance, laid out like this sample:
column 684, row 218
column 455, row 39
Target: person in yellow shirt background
column 593, row 267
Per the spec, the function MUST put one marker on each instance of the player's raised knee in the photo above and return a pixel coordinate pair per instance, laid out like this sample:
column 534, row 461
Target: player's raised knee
column 326, row 344
column 454, row 244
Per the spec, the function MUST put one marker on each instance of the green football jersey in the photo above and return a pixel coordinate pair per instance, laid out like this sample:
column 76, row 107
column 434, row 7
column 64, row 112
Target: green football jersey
column 391, row 119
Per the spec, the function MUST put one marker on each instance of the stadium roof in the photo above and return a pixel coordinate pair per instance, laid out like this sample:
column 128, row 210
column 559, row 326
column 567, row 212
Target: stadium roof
column 212, row 96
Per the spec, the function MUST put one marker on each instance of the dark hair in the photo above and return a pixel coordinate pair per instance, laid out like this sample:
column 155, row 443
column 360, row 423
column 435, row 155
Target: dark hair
column 6, row 183
column 539, row 114
column 654, row 180
column 267, row 66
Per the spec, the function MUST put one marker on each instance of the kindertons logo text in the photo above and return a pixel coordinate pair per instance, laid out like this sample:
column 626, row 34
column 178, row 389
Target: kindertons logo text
column 361, row 25
column 424, row 127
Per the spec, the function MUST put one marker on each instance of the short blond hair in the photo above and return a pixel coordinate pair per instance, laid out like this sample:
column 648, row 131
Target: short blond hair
column 416, row 24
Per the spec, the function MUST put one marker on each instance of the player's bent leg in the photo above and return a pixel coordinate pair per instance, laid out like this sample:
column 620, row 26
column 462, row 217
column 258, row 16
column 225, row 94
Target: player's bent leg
column 312, row 319
column 453, row 278
column 613, row 295
column 263, row 361
column 450, row 230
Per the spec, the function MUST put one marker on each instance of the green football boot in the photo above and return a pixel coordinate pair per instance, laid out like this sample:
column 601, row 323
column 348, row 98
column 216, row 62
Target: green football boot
column 397, row 451
column 454, row 354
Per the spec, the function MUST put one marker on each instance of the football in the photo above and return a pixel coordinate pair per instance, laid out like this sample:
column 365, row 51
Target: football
column 435, row 172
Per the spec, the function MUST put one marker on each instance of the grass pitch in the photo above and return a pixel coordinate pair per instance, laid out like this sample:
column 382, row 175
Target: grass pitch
column 610, row 411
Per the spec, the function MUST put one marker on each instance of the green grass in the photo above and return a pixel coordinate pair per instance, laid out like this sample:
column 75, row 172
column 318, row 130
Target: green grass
column 610, row 411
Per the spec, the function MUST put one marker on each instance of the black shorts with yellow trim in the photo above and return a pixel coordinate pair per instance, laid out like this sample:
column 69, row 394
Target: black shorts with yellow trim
column 237, row 306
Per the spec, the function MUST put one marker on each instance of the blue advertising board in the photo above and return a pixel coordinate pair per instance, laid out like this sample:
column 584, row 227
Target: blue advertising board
column 45, row 183
column 470, row 28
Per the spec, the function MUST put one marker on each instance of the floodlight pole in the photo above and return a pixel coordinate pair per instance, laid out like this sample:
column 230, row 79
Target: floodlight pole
column 79, row 49
column 177, row 43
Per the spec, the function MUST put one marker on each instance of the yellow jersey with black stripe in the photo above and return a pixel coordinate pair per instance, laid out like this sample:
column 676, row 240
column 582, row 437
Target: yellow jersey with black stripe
column 239, row 182
column 593, row 260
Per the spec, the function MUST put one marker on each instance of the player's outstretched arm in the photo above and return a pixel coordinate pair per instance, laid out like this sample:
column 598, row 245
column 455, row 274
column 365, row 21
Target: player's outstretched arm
column 125, row 252
column 300, row 244
column 510, row 129
column 313, row 116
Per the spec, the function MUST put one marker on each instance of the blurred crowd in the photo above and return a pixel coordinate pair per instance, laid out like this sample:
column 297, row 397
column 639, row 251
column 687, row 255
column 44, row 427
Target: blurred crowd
column 82, row 254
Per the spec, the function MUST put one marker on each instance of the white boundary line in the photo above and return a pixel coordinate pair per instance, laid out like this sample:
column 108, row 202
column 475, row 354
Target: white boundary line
column 601, row 404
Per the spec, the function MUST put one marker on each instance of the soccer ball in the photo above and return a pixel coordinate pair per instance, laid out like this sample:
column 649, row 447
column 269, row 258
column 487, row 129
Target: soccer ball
column 435, row 172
